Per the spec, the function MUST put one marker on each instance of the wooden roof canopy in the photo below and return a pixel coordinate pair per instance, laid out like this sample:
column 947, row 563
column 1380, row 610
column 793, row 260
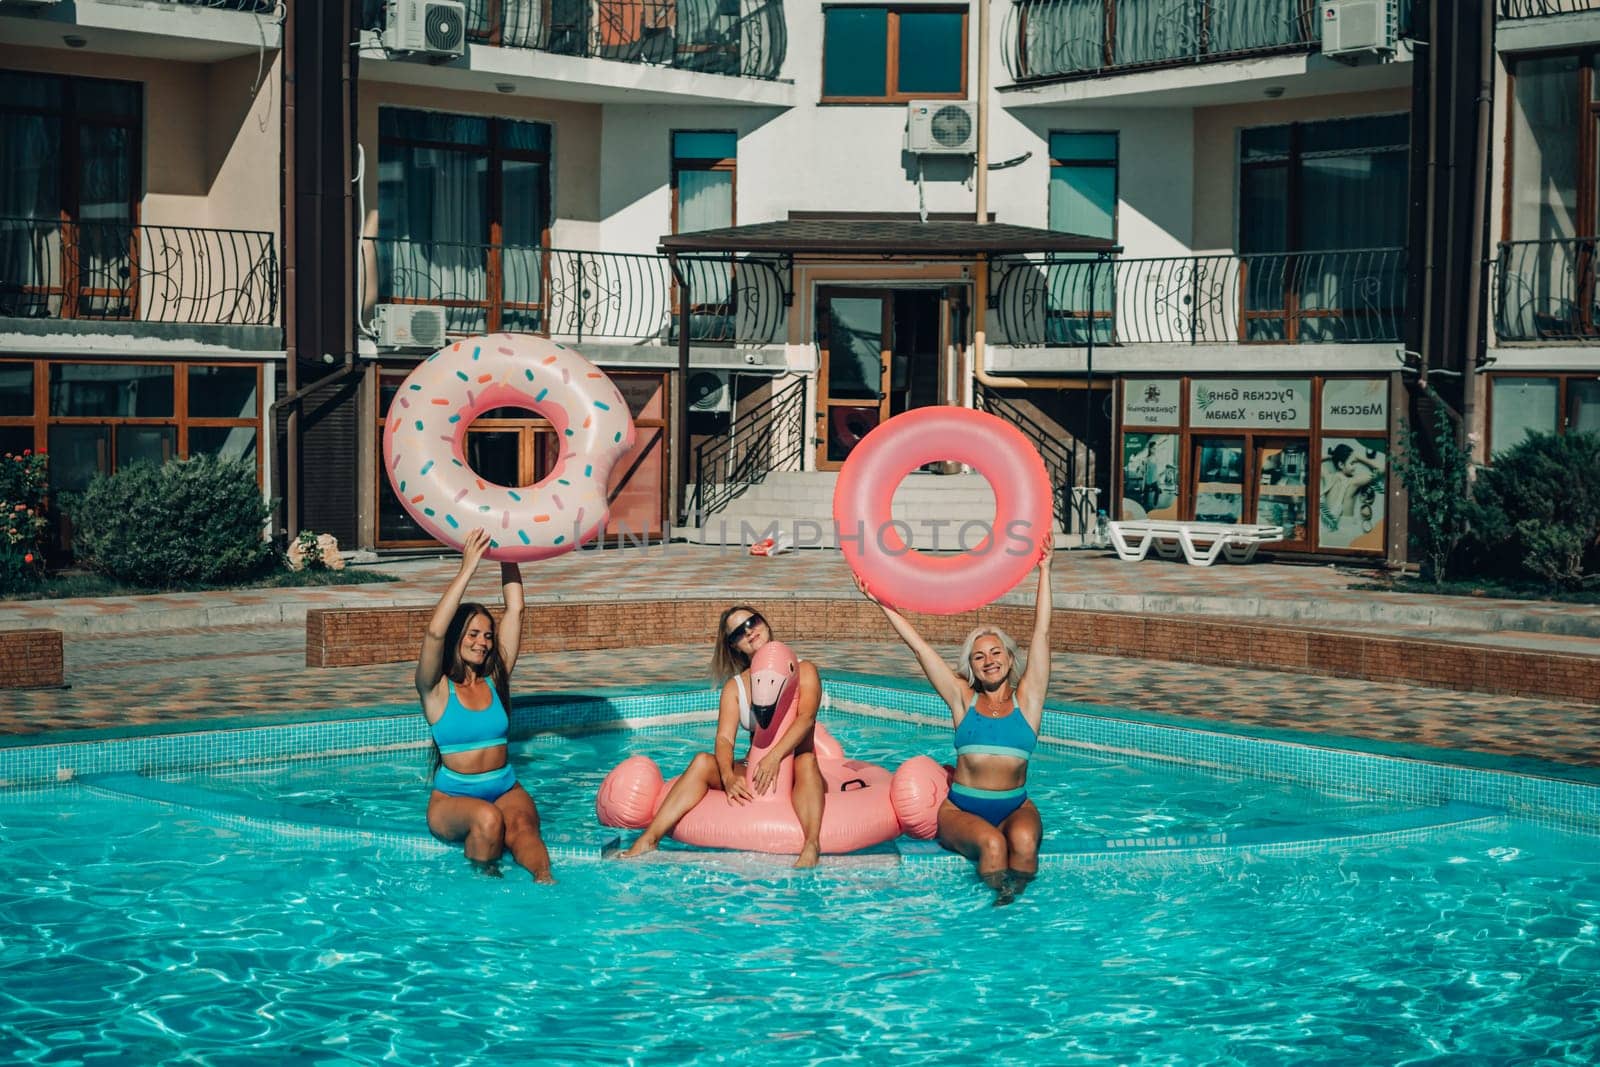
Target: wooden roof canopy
column 882, row 238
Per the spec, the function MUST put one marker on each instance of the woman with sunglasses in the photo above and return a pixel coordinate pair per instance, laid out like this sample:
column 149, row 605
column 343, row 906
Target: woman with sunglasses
column 997, row 709
column 740, row 632
column 464, row 680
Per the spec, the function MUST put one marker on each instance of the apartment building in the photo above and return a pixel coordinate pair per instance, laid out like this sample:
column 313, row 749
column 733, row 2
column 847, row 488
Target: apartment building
column 1185, row 269
column 139, row 216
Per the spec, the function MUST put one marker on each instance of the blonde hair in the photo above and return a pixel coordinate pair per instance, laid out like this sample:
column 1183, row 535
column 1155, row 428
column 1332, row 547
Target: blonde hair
column 727, row 661
column 964, row 668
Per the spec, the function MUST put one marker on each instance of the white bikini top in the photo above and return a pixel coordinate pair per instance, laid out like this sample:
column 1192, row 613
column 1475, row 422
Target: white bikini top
column 747, row 715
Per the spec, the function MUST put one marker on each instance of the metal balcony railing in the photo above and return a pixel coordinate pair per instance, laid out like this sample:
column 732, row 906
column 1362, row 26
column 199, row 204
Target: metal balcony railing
column 1333, row 297
column 576, row 294
column 1545, row 291
column 1051, row 39
column 1532, row 9
column 253, row 7
column 745, row 38
column 770, row 437
column 51, row 269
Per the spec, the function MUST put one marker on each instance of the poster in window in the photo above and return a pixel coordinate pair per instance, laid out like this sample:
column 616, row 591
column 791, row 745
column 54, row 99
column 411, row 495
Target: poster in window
column 1219, row 493
column 1281, row 496
column 1351, row 493
column 1149, row 476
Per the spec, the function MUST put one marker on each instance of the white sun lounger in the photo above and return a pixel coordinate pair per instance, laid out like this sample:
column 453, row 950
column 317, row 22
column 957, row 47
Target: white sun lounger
column 1199, row 542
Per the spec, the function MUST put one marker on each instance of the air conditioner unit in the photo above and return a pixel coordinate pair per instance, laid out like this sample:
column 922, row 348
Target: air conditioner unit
column 708, row 391
column 1355, row 28
column 410, row 326
column 946, row 127
column 430, row 27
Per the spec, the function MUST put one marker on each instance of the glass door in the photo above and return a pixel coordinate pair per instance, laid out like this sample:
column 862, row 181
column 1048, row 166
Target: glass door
column 1281, row 466
column 1219, row 479
column 856, row 331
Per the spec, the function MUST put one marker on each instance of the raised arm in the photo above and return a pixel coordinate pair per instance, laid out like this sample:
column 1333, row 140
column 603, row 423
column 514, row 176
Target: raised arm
column 805, row 717
column 938, row 672
column 510, row 632
column 430, row 662
column 1036, row 679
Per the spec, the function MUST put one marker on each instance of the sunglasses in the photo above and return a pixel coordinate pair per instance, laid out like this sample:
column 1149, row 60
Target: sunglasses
column 738, row 633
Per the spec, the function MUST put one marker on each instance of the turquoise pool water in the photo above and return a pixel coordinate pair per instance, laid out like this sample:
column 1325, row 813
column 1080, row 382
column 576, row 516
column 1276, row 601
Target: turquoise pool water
column 146, row 933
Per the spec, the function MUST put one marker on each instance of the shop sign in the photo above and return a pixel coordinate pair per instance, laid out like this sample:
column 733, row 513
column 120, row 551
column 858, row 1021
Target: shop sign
column 1355, row 404
column 1150, row 401
column 1250, row 404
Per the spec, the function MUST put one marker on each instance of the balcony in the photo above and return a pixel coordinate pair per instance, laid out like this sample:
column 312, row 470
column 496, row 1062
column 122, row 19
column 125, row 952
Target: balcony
column 1545, row 291
column 126, row 272
column 1533, row 9
column 1047, row 40
column 744, row 38
column 580, row 295
column 1352, row 296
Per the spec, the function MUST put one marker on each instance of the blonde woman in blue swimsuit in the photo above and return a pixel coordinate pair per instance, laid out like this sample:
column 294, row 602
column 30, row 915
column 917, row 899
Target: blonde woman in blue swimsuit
column 996, row 708
column 464, row 680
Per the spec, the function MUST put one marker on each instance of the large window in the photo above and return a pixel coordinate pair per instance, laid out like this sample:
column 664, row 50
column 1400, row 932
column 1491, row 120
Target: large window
column 96, row 418
column 1083, row 200
column 1322, row 226
column 1547, row 403
column 68, row 194
column 1546, row 267
column 892, row 54
column 464, row 216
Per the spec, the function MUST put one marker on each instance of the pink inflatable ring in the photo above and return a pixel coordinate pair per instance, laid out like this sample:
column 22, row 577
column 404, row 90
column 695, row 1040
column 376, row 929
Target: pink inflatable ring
column 424, row 444
column 872, row 541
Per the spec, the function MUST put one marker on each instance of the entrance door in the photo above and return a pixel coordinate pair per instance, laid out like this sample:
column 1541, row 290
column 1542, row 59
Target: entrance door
column 856, row 332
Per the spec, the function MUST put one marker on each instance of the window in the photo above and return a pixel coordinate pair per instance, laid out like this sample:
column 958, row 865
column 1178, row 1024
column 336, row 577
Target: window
column 463, row 217
column 1546, row 275
column 1083, row 200
column 68, row 195
column 1553, row 403
column 704, row 170
column 893, row 54
column 1322, row 229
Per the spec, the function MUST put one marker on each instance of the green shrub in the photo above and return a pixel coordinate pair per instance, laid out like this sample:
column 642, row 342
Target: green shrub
column 1435, row 473
column 22, row 520
column 196, row 520
column 1538, row 505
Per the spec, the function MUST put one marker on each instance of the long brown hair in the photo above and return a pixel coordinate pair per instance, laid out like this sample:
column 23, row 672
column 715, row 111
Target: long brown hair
column 494, row 668
column 726, row 661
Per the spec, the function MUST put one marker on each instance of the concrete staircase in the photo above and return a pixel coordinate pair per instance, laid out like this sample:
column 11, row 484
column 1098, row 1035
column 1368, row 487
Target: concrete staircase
column 934, row 506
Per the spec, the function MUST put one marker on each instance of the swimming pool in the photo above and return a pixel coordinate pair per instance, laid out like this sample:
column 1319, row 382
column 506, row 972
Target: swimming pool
column 1231, row 901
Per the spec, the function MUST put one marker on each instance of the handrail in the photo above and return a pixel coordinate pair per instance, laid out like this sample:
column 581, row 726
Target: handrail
column 1059, row 462
column 580, row 293
column 1545, row 290
column 1317, row 297
column 1055, row 39
column 127, row 271
column 766, row 438
column 742, row 38
column 1532, row 9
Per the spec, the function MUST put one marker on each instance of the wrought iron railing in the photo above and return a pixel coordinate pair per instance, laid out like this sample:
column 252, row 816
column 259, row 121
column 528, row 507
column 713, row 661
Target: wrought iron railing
column 578, row 294
column 1545, row 290
column 51, row 269
column 1046, row 39
column 1346, row 296
column 770, row 437
column 1532, row 9
column 746, row 38
column 1059, row 462
column 253, row 7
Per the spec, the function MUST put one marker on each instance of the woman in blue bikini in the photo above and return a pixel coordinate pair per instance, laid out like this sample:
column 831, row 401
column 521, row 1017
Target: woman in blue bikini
column 464, row 680
column 997, row 709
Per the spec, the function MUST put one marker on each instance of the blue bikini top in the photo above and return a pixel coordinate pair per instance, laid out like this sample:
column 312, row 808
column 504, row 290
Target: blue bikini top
column 460, row 729
column 1009, row 735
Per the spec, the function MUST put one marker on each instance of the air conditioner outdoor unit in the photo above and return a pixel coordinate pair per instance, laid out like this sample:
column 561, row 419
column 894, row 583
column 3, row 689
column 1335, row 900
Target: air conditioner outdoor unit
column 1355, row 28
column 430, row 27
column 410, row 326
column 708, row 391
column 946, row 127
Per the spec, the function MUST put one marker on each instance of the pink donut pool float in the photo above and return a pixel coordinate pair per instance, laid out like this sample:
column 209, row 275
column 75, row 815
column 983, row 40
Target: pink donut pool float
column 866, row 805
